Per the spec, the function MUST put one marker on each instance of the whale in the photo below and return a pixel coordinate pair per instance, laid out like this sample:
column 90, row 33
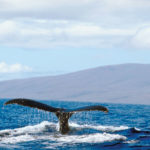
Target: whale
column 62, row 114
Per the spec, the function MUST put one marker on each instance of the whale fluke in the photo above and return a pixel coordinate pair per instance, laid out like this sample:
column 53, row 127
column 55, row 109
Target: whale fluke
column 33, row 104
column 88, row 108
column 62, row 114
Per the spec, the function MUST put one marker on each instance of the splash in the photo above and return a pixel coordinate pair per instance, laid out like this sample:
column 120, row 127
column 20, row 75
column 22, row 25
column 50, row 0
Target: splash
column 100, row 127
column 49, row 131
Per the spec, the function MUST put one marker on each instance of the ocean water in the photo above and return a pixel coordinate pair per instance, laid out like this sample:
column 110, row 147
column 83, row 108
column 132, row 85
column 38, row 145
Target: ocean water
column 125, row 127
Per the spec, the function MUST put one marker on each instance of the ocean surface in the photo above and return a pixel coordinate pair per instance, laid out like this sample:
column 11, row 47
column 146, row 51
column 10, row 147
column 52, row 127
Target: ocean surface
column 125, row 127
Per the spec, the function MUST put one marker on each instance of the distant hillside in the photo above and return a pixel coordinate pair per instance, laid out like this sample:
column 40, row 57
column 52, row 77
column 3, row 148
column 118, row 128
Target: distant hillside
column 127, row 83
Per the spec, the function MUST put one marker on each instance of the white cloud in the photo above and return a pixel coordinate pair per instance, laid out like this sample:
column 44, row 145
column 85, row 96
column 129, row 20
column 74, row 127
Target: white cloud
column 42, row 33
column 8, row 31
column 56, row 23
column 87, row 10
column 141, row 39
column 14, row 68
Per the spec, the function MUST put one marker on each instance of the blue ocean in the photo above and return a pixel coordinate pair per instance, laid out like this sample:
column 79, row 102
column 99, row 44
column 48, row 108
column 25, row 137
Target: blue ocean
column 125, row 127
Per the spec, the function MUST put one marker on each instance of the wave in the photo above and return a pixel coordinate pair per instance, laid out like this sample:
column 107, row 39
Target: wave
column 28, row 129
column 100, row 127
column 49, row 131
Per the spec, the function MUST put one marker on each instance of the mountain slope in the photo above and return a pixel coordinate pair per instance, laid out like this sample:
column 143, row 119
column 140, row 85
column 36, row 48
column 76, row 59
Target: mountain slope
column 127, row 83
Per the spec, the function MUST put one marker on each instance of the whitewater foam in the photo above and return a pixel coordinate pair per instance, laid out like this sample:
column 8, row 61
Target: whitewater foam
column 99, row 127
column 28, row 129
column 31, row 133
column 91, row 138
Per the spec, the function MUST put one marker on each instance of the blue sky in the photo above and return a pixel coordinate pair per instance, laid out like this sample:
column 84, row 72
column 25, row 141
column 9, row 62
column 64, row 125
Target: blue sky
column 51, row 37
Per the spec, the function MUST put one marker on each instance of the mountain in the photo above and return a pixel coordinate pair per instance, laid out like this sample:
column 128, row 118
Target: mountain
column 126, row 83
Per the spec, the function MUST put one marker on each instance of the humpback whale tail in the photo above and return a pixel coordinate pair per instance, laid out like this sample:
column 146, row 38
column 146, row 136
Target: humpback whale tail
column 62, row 114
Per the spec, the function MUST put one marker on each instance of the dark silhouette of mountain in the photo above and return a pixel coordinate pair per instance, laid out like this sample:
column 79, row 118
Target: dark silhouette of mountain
column 127, row 83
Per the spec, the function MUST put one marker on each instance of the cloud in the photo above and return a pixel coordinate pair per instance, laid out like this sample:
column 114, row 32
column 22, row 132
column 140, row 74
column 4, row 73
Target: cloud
column 47, row 34
column 141, row 39
column 55, row 23
column 85, row 10
column 14, row 68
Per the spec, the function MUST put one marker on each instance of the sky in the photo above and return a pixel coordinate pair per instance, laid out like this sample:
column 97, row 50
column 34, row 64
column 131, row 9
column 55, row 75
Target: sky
column 53, row 37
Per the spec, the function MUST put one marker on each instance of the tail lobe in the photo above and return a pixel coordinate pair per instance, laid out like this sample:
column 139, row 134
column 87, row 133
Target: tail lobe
column 33, row 104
